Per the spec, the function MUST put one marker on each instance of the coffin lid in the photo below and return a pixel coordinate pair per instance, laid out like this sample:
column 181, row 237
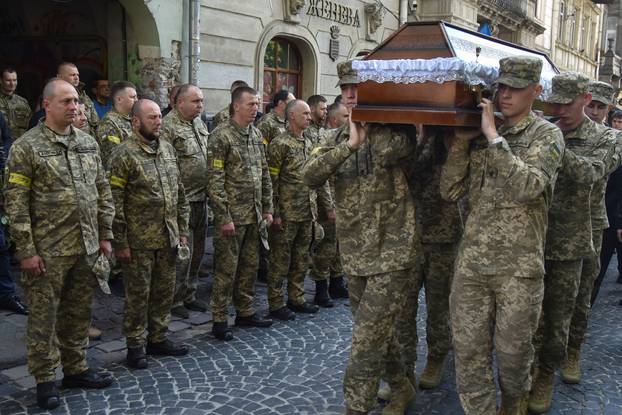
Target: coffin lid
column 458, row 55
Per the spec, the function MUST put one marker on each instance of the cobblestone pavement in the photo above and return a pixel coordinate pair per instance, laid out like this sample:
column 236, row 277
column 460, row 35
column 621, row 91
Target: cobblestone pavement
column 292, row 368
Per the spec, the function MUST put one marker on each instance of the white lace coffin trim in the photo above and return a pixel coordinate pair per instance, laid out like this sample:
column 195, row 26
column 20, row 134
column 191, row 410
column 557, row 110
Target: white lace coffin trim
column 438, row 70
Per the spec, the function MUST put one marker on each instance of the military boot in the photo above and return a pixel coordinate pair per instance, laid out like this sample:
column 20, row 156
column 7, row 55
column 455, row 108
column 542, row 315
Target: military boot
column 541, row 391
column 433, row 373
column 47, row 395
column 513, row 406
column 136, row 358
column 571, row 369
column 321, row 294
column 402, row 394
column 337, row 288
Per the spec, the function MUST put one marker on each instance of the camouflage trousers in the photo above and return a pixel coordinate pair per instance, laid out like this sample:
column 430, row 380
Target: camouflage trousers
column 289, row 258
column 406, row 325
column 438, row 269
column 486, row 309
column 149, row 280
column 188, row 272
column 561, row 286
column 589, row 273
column 235, row 268
column 376, row 302
column 325, row 261
column 60, row 314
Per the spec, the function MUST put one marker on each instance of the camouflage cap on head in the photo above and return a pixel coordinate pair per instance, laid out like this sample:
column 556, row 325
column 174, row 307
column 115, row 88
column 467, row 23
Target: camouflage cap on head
column 601, row 92
column 346, row 74
column 519, row 71
column 567, row 86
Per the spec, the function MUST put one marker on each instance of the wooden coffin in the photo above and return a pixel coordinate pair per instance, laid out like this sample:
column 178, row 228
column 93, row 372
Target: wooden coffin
column 437, row 101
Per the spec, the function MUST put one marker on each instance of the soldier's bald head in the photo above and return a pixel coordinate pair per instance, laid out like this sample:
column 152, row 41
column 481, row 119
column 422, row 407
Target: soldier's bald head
column 69, row 72
column 146, row 119
column 140, row 106
column 294, row 106
column 53, row 85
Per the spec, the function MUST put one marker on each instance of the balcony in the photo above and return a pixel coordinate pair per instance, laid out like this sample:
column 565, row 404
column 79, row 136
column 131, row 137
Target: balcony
column 516, row 7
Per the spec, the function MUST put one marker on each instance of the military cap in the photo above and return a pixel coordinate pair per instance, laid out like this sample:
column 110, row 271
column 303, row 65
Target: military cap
column 567, row 86
column 519, row 71
column 101, row 269
column 346, row 74
column 601, row 92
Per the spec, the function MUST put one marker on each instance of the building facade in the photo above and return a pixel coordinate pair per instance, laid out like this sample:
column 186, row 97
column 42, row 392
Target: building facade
column 567, row 30
column 272, row 44
column 292, row 44
column 141, row 41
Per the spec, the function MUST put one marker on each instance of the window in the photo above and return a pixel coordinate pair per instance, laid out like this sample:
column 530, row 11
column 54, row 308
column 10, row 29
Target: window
column 282, row 69
column 572, row 38
column 584, row 34
column 562, row 21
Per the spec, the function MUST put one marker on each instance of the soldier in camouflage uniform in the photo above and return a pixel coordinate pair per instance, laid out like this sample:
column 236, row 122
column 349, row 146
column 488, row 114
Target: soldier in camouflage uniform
column 60, row 210
column 240, row 192
column 588, row 156
column 67, row 71
column 440, row 227
column 223, row 115
column 326, row 264
column 597, row 109
column 116, row 126
column 508, row 176
column 273, row 123
column 376, row 231
column 150, row 225
column 294, row 211
column 15, row 108
column 185, row 130
column 317, row 104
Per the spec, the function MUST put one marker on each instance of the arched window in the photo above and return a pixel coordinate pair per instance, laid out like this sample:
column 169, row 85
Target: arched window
column 282, row 69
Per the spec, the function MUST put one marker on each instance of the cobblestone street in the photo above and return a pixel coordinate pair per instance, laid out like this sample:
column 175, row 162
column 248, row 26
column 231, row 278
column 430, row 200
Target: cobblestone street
column 292, row 368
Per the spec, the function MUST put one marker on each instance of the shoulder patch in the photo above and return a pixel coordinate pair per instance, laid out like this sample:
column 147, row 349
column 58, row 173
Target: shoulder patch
column 117, row 181
column 218, row 164
column 114, row 139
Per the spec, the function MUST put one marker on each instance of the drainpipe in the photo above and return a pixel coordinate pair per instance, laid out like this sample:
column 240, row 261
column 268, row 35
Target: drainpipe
column 124, row 43
column 403, row 11
column 194, row 54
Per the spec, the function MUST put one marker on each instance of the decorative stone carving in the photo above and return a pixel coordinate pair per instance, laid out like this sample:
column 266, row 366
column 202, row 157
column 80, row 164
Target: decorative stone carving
column 375, row 14
column 333, row 51
column 293, row 10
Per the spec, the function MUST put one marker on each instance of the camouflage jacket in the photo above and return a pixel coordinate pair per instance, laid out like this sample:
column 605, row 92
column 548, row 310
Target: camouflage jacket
column 238, row 182
column 375, row 209
column 587, row 159
column 221, row 117
column 292, row 199
column 57, row 198
column 270, row 126
column 438, row 220
column 91, row 112
column 113, row 129
column 152, row 211
column 314, row 133
column 190, row 141
column 17, row 112
column 510, row 188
